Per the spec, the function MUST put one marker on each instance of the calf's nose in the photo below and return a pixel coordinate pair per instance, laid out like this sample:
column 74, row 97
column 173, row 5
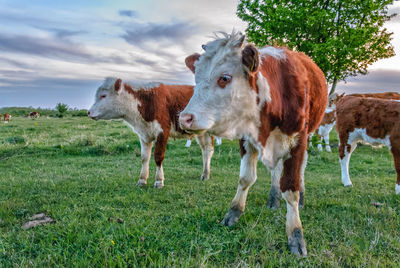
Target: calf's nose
column 186, row 120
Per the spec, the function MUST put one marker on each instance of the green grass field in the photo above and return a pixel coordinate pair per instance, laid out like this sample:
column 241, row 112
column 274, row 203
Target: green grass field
column 83, row 174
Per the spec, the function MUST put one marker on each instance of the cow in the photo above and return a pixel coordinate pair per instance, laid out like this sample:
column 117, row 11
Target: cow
column 34, row 115
column 6, row 118
column 327, row 123
column 329, row 119
column 371, row 120
column 152, row 111
column 271, row 99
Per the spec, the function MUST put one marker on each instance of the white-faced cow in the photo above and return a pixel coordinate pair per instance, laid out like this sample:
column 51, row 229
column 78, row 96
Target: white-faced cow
column 152, row 111
column 34, row 115
column 271, row 99
column 371, row 120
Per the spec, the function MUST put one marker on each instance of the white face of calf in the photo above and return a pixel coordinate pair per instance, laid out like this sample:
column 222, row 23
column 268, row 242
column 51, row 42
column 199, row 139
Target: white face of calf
column 222, row 95
column 108, row 100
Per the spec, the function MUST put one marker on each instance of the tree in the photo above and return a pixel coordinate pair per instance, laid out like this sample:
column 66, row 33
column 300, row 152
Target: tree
column 343, row 37
column 61, row 108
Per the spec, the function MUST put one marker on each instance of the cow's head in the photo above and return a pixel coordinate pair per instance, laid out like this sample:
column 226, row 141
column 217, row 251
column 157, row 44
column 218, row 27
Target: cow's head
column 107, row 103
column 222, row 95
column 334, row 98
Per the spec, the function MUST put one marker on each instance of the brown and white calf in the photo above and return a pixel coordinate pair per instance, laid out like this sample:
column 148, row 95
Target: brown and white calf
column 152, row 112
column 372, row 120
column 34, row 115
column 271, row 99
column 327, row 123
column 329, row 119
column 6, row 118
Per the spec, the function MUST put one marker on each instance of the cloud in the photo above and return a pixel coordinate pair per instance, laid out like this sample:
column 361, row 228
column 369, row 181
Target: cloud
column 129, row 13
column 173, row 32
column 374, row 81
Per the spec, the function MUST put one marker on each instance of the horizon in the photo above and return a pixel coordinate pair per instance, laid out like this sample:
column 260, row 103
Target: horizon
column 54, row 59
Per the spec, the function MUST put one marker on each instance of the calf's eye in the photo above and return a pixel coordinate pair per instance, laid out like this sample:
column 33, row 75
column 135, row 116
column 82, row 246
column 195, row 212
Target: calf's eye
column 103, row 96
column 224, row 80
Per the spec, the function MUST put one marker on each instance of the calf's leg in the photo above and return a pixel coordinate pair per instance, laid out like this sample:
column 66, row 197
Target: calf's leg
column 302, row 182
column 345, row 151
column 159, row 153
column 145, row 152
column 248, row 175
column 207, row 150
column 327, row 146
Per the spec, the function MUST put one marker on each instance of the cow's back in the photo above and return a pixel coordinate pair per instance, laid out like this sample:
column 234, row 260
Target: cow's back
column 376, row 116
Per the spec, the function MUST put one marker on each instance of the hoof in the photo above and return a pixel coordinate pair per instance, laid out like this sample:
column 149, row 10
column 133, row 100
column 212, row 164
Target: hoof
column 328, row 149
column 274, row 199
column 348, row 185
column 141, row 183
column 204, row 178
column 232, row 217
column 297, row 245
column 301, row 200
column 159, row 184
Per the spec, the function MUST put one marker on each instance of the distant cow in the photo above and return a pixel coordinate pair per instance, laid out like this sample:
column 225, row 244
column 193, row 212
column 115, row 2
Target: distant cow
column 34, row 115
column 271, row 99
column 327, row 123
column 329, row 120
column 152, row 111
column 6, row 118
column 374, row 121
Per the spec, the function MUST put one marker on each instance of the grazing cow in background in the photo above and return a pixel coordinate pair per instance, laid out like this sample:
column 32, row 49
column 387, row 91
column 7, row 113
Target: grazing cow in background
column 34, row 115
column 327, row 123
column 6, row 118
column 152, row 111
column 271, row 99
column 372, row 120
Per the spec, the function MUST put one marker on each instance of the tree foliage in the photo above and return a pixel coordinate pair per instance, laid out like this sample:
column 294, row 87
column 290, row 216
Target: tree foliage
column 342, row 36
column 61, row 108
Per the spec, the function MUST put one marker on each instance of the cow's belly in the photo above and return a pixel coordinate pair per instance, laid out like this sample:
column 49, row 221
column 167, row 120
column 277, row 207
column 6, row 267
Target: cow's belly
column 360, row 135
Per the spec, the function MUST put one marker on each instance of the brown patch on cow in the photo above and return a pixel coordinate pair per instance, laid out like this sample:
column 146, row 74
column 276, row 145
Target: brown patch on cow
column 6, row 117
column 379, row 117
column 241, row 146
column 163, row 104
column 298, row 95
column 190, row 60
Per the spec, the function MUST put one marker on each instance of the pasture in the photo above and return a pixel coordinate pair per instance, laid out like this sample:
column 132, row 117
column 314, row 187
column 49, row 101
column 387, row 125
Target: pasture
column 83, row 174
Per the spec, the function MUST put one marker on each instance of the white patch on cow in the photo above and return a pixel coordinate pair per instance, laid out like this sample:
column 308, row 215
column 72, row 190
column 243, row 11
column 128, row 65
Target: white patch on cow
column 218, row 141
column 397, row 189
column 360, row 135
column 274, row 52
column 188, row 143
column 264, row 92
column 277, row 147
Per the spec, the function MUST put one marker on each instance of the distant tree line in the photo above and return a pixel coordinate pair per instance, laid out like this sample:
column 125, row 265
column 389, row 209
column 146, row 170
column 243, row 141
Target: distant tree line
column 60, row 110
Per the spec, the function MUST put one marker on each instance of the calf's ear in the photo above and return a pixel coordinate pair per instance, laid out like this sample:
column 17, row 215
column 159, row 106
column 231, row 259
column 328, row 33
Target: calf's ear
column 250, row 58
column 117, row 84
column 190, row 60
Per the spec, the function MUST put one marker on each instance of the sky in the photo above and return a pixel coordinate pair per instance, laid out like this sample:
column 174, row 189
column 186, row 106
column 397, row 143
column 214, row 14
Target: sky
column 55, row 51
